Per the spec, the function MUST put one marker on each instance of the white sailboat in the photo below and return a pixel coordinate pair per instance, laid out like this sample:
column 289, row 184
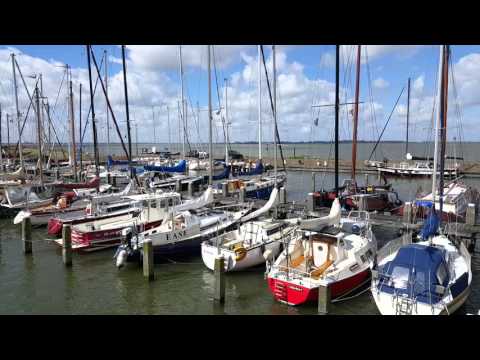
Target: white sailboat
column 433, row 276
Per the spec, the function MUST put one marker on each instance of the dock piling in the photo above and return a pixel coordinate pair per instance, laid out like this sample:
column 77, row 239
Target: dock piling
column 283, row 195
column 324, row 297
column 190, row 189
column 67, row 244
column 148, row 270
column 225, row 189
column 471, row 214
column 178, row 186
column 310, row 202
column 313, row 182
column 407, row 213
column 219, row 270
column 27, row 235
column 242, row 195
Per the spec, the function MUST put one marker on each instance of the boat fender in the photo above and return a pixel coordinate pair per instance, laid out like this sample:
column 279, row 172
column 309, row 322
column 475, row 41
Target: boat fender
column 356, row 229
column 240, row 253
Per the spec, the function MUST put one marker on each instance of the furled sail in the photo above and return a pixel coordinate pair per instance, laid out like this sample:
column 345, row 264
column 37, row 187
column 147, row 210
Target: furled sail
column 333, row 218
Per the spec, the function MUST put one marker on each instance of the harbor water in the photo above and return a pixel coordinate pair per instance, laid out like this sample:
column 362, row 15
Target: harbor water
column 40, row 284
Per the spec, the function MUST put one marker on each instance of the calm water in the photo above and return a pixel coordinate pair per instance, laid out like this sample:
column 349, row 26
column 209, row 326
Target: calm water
column 392, row 151
column 40, row 284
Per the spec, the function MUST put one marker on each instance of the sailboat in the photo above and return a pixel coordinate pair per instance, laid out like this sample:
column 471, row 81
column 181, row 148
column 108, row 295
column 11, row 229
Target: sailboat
column 432, row 276
column 352, row 196
column 332, row 251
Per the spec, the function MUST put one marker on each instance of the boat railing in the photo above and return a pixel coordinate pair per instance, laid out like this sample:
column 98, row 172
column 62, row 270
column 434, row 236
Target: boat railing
column 389, row 248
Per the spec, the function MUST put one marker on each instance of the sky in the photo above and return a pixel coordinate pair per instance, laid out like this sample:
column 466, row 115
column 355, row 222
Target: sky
column 305, row 77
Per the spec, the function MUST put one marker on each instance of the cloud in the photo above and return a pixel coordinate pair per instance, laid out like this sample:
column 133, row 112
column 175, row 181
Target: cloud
column 381, row 83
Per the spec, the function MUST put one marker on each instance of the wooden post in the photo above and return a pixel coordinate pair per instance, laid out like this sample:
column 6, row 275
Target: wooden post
column 114, row 181
column 310, row 202
column 407, row 212
column 109, row 179
column 219, row 270
column 242, row 195
column 324, row 297
column 27, row 235
column 148, row 270
column 283, row 195
column 471, row 214
column 67, row 244
column 178, row 186
column 190, row 189
column 225, row 189
column 313, row 182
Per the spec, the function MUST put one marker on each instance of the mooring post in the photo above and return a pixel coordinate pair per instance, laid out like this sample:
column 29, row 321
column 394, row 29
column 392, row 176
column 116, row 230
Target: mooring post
column 114, row 181
column 313, row 181
column 219, row 269
column 109, row 179
column 324, row 297
column 407, row 212
column 471, row 214
column 366, row 179
column 27, row 235
column 148, row 270
column 310, row 202
column 67, row 244
column 242, row 195
column 283, row 195
column 190, row 189
column 178, row 186
column 225, row 189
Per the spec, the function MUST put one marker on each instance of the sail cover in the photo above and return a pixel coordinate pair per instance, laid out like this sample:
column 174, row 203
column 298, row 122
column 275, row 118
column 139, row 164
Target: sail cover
column 180, row 167
column 204, row 200
column 430, row 226
column 333, row 218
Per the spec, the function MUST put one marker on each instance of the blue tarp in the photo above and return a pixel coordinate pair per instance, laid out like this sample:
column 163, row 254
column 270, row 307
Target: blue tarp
column 180, row 167
column 419, row 265
column 424, row 203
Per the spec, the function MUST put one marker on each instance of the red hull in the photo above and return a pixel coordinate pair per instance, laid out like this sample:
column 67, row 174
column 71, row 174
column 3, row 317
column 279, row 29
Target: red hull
column 101, row 238
column 294, row 294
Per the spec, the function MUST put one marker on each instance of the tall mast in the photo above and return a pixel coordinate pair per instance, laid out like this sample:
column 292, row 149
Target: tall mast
column 106, row 92
column 80, row 124
column 210, row 120
column 443, row 129
column 15, row 87
column 72, row 127
column 274, row 113
column 437, row 125
column 39, row 136
column 408, row 115
column 169, row 134
column 8, row 133
column 183, row 102
column 337, row 109
column 1, row 155
column 127, row 112
column 94, row 128
column 226, row 123
column 259, row 91
column 154, row 126
column 355, row 116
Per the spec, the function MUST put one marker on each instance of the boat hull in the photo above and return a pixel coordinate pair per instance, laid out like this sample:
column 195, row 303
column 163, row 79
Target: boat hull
column 294, row 294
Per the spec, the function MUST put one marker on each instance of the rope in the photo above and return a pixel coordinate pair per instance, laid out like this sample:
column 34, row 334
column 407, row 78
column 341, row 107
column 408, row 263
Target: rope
column 343, row 298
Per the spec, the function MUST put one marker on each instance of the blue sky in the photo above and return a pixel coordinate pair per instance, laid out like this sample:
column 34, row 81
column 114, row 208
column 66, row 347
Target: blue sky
column 305, row 74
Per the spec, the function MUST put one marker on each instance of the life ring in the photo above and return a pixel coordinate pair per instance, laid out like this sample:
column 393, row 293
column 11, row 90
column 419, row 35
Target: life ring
column 240, row 253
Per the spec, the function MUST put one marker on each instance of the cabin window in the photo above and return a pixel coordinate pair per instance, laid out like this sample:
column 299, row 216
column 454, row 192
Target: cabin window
column 163, row 203
column 153, row 204
column 441, row 274
column 400, row 276
column 170, row 202
column 145, row 203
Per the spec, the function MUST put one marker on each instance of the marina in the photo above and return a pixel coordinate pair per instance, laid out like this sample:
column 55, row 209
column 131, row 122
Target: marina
column 228, row 228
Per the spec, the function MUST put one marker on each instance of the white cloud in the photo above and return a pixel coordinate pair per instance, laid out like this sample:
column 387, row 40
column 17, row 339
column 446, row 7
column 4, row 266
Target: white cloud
column 381, row 83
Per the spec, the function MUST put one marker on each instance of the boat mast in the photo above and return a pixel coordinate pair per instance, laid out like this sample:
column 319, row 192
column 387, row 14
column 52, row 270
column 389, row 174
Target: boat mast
column 337, row 108
column 92, row 106
column 72, row 127
column 127, row 111
column 169, row 134
column 259, row 91
column 437, row 125
column 15, row 87
column 106, row 92
column 1, row 155
column 154, row 126
column 408, row 114
column 355, row 117
column 443, row 129
column 80, row 124
column 39, row 136
column 274, row 113
column 183, row 100
column 210, row 120
column 226, row 124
